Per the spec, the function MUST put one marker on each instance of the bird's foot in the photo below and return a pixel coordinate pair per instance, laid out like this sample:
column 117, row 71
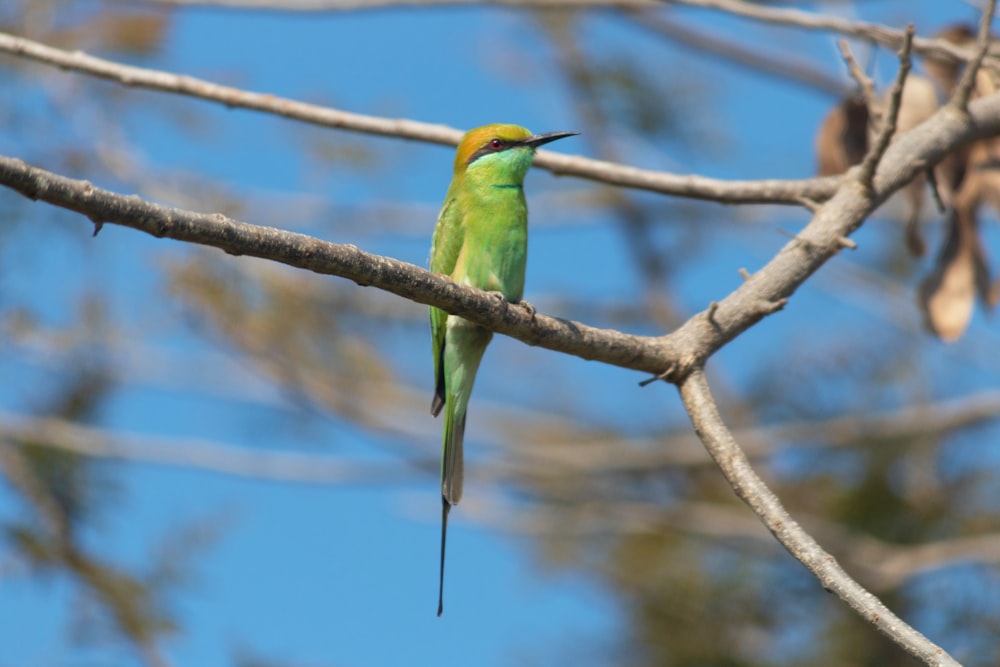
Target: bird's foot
column 499, row 297
column 532, row 311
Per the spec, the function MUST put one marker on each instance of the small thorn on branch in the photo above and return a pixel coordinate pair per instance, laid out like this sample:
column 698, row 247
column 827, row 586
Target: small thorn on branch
column 845, row 242
column 744, row 274
column 662, row 376
column 98, row 225
column 710, row 313
column 809, row 245
column 769, row 307
column 810, row 204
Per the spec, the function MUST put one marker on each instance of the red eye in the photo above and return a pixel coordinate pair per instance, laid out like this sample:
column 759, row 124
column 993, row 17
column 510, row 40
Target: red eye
column 496, row 144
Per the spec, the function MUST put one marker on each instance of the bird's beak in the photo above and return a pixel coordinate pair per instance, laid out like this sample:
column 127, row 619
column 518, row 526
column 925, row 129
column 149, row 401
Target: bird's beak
column 537, row 140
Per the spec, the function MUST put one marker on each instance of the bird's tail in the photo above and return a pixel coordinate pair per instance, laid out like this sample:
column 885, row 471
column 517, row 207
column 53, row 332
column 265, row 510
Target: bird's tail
column 453, row 458
column 463, row 351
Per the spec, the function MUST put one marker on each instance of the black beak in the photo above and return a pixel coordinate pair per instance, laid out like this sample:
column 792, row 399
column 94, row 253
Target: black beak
column 537, row 140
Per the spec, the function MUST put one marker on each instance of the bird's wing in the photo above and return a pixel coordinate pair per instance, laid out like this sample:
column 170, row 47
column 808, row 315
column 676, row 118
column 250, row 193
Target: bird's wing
column 449, row 235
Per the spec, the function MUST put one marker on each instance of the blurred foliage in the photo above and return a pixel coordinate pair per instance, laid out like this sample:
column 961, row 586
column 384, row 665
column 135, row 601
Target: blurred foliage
column 694, row 592
column 64, row 493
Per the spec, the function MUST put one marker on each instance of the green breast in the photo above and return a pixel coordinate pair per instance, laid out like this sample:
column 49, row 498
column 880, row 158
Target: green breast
column 496, row 240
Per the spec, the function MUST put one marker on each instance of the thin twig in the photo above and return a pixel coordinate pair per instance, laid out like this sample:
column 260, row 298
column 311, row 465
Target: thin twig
column 932, row 181
column 967, row 84
column 793, row 18
column 697, row 187
column 663, row 375
column 864, row 82
column 887, row 127
column 810, row 204
column 701, row 407
column 888, row 37
column 745, row 56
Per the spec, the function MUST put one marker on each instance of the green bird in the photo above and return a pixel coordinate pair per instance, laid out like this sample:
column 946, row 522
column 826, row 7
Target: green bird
column 481, row 240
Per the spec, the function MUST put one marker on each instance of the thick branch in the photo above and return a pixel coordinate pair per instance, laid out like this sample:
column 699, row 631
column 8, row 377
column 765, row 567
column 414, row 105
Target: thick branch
column 719, row 442
column 682, row 351
column 762, row 292
column 347, row 261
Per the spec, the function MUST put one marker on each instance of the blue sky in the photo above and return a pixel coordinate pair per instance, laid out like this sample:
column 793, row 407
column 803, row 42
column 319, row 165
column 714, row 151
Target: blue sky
column 346, row 575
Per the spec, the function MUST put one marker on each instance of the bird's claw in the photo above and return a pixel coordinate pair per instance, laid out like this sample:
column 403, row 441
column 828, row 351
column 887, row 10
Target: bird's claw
column 498, row 296
column 532, row 311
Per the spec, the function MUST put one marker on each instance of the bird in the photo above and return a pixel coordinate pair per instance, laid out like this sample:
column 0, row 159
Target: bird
column 480, row 240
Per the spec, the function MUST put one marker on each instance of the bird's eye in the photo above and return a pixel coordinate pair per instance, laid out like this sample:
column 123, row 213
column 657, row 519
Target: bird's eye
column 496, row 144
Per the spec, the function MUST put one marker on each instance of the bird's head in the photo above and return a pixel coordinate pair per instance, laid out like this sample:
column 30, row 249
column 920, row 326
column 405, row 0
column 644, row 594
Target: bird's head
column 501, row 151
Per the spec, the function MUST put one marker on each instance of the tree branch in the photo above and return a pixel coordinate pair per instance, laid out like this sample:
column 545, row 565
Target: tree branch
column 347, row 261
column 884, row 566
column 887, row 117
column 681, row 351
column 696, row 187
column 821, row 239
column 888, row 37
column 186, row 453
column 963, row 91
column 745, row 56
column 865, row 85
column 719, row 442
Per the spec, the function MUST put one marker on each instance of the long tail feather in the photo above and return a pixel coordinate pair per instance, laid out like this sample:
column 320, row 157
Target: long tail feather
column 445, row 508
column 452, row 478
column 463, row 350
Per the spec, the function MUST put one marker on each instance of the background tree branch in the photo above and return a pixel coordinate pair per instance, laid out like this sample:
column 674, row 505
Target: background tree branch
column 697, row 187
column 891, row 38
